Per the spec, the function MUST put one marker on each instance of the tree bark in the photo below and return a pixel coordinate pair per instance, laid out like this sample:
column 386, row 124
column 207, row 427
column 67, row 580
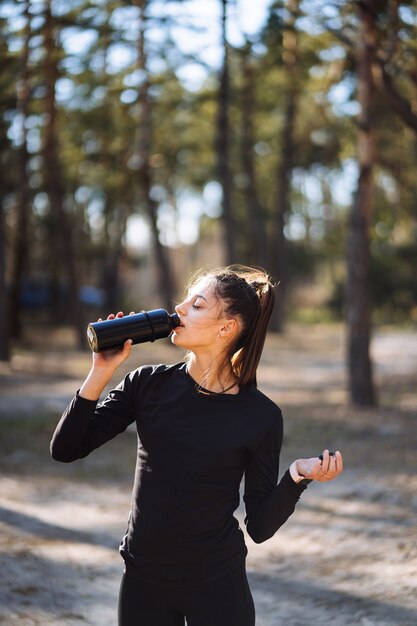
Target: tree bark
column 358, row 309
column 63, row 241
column 115, row 216
column 21, row 243
column 4, row 317
column 144, row 147
column 279, row 261
column 256, row 237
column 117, row 221
column 223, row 151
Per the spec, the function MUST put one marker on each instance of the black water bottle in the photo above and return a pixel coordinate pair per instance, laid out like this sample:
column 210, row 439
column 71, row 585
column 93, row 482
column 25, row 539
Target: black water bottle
column 140, row 327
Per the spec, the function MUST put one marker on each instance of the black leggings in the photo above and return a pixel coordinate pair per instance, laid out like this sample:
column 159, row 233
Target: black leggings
column 225, row 601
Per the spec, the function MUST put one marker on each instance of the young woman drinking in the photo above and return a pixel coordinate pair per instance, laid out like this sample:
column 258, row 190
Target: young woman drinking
column 202, row 426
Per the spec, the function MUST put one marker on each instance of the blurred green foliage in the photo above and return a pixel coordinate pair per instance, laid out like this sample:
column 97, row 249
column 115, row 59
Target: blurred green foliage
column 99, row 109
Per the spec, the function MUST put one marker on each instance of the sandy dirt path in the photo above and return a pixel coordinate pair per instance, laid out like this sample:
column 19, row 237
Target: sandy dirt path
column 347, row 556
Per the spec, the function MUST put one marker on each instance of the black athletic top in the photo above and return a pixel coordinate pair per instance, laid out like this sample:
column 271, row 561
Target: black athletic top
column 193, row 450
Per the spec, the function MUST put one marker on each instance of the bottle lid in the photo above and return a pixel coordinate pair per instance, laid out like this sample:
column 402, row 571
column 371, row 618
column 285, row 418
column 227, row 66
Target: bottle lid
column 92, row 338
column 175, row 320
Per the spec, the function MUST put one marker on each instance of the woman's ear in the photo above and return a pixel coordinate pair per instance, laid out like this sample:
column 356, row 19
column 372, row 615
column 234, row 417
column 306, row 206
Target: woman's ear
column 229, row 328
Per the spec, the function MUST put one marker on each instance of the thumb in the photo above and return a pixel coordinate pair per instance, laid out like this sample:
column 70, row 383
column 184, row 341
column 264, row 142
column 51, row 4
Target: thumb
column 127, row 346
column 125, row 351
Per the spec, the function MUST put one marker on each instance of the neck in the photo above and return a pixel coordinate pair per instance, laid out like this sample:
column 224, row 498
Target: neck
column 207, row 374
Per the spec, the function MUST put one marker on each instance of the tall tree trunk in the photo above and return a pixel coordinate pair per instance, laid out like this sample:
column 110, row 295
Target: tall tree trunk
column 4, row 317
column 115, row 247
column 256, row 237
column 21, row 242
column 144, row 131
column 223, row 152
column 279, row 261
column 358, row 308
column 64, row 253
column 115, row 222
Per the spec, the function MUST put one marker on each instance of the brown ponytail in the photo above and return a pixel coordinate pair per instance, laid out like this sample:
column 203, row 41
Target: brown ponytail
column 246, row 360
column 248, row 294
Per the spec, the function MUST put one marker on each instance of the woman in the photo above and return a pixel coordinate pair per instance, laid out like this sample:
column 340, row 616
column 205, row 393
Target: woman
column 202, row 425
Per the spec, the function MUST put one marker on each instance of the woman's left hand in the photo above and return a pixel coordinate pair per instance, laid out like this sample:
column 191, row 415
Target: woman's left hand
column 322, row 470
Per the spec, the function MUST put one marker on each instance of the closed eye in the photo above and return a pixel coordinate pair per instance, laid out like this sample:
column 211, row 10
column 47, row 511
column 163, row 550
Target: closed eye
column 198, row 300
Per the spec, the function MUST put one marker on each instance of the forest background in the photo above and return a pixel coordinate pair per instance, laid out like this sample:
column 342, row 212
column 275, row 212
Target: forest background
column 140, row 140
column 143, row 139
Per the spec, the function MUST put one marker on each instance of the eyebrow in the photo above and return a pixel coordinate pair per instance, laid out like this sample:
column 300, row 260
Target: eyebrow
column 199, row 295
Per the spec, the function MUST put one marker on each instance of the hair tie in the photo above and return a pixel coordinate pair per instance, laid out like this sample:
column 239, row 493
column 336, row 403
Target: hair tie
column 258, row 288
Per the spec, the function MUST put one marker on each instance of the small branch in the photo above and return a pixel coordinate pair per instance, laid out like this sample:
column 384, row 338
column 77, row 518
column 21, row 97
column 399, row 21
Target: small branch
column 400, row 104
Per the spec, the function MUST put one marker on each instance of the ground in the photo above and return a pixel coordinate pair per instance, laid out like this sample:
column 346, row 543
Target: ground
column 347, row 556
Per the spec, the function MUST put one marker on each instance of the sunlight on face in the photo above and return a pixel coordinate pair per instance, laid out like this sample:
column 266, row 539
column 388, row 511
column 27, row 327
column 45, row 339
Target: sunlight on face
column 201, row 315
column 202, row 295
column 202, row 306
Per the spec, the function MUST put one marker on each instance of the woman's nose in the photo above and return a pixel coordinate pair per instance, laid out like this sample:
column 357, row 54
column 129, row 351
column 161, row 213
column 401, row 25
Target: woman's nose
column 180, row 308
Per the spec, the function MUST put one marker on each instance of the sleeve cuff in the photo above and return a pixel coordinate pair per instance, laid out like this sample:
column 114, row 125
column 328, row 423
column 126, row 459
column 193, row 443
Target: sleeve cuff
column 80, row 399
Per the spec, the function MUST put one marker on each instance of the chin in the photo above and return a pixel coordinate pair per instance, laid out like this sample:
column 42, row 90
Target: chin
column 179, row 342
column 175, row 340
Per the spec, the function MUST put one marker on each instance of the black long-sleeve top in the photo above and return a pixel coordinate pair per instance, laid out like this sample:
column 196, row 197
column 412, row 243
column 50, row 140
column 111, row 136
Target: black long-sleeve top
column 193, row 450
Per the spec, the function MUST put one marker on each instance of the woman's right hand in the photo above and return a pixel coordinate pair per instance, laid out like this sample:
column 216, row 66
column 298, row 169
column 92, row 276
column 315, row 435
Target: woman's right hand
column 104, row 365
column 112, row 359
